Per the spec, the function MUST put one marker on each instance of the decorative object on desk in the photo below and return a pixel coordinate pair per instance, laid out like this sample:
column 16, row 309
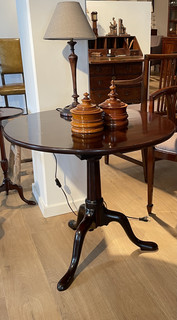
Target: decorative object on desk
column 115, row 114
column 110, row 54
column 122, row 29
column 94, row 22
column 96, row 54
column 67, row 23
column 87, row 117
column 113, row 28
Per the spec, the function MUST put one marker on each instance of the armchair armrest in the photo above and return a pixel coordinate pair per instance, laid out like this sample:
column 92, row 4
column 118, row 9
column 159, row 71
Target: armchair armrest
column 155, row 95
column 170, row 94
column 129, row 82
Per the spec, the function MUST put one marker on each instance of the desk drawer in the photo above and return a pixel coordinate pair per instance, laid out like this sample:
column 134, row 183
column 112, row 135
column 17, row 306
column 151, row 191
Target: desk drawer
column 132, row 69
column 99, row 96
column 130, row 95
column 101, row 69
column 97, row 83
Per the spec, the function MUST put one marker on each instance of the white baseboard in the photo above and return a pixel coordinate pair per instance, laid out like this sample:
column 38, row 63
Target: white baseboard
column 54, row 209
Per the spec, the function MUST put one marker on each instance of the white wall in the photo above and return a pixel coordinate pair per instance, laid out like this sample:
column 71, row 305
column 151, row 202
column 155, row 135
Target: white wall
column 136, row 18
column 161, row 16
column 8, row 19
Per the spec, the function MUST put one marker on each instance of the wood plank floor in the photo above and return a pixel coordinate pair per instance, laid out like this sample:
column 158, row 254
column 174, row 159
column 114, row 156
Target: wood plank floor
column 114, row 279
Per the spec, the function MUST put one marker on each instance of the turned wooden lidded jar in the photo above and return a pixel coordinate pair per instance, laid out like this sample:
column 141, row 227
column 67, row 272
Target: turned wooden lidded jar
column 87, row 117
column 115, row 114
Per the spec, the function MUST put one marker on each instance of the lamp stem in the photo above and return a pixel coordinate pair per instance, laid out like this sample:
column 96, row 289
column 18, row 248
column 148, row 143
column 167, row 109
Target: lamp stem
column 73, row 63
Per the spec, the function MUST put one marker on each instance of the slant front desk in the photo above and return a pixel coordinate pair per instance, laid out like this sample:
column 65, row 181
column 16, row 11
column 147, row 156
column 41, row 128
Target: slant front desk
column 44, row 132
column 104, row 69
column 124, row 62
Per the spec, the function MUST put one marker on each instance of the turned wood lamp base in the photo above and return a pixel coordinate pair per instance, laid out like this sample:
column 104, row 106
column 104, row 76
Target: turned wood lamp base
column 66, row 111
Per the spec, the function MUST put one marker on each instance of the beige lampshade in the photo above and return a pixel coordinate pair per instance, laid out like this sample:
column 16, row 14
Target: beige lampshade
column 69, row 22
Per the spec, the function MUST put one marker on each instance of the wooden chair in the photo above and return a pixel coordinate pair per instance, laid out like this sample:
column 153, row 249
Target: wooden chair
column 168, row 149
column 10, row 64
column 167, row 77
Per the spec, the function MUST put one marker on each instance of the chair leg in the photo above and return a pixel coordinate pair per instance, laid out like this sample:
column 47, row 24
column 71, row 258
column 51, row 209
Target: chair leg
column 144, row 161
column 106, row 159
column 150, row 177
column 5, row 96
column 6, row 101
column 11, row 160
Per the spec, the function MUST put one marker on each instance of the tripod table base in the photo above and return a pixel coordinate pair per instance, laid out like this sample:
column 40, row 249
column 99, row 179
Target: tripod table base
column 88, row 218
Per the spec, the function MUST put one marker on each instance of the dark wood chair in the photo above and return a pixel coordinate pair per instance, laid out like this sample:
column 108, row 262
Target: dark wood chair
column 11, row 64
column 167, row 77
column 163, row 101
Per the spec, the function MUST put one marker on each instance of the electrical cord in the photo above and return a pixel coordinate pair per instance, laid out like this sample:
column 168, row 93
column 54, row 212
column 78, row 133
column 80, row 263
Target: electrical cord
column 58, row 183
column 145, row 219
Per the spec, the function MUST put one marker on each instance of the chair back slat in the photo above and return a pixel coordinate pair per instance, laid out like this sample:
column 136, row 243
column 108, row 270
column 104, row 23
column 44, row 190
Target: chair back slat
column 169, row 95
column 167, row 77
column 171, row 105
column 10, row 56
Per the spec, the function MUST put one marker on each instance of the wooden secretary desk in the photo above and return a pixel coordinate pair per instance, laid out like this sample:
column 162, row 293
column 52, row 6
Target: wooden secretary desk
column 114, row 57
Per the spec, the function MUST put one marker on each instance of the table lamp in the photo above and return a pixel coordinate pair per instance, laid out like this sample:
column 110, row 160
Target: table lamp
column 69, row 22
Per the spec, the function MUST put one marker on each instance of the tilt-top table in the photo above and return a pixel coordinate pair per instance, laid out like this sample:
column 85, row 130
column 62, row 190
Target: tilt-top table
column 7, row 113
column 48, row 132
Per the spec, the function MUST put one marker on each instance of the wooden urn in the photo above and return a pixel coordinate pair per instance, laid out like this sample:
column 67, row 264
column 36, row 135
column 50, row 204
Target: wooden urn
column 115, row 114
column 87, row 117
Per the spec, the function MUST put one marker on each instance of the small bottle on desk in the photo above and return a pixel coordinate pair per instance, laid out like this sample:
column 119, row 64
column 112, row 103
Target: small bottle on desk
column 109, row 54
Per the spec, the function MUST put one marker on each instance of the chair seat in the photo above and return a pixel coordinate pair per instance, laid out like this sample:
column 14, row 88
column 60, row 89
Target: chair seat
column 169, row 145
column 11, row 89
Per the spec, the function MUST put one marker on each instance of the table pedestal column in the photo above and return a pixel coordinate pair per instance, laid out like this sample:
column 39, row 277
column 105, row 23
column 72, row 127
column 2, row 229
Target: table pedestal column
column 94, row 214
column 7, row 183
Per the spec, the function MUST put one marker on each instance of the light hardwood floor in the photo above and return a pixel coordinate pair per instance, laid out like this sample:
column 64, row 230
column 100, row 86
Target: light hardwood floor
column 154, row 81
column 114, row 279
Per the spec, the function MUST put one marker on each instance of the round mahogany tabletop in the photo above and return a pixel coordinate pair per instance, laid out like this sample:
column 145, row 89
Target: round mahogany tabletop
column 47, row 131
column 9, row 112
